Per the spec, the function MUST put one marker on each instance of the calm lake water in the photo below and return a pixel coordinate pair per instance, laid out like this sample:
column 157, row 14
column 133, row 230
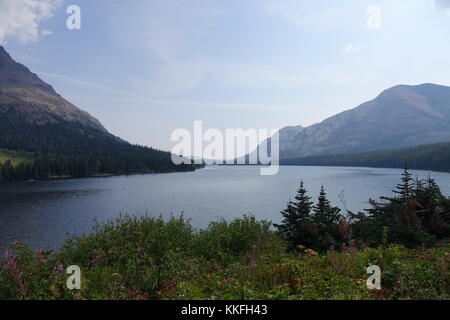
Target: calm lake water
column 41, row 213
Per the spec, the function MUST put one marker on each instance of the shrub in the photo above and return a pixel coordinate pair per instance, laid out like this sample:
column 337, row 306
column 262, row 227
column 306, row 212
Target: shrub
column 148, row 258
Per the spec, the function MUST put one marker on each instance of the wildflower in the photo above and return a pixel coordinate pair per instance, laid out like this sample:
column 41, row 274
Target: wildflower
column 14, row 270
column 9, row 255
column 58, row 268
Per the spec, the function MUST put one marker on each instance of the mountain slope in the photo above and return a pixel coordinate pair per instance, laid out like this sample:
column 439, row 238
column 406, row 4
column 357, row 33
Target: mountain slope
column 402, row 116
column 63, row 140
column 434, row 156
column 23, row 92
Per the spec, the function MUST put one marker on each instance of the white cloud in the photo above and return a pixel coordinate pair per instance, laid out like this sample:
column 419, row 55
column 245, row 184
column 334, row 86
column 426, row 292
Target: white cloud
column 21, row 18
column 350, row 48
column 46, row 33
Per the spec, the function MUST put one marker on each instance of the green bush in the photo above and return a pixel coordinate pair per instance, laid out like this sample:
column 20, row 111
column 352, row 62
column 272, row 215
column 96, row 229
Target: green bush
column 225, row 242
column 149, row 258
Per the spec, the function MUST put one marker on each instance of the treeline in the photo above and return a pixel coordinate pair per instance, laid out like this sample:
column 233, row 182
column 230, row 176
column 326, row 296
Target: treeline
column 70, row 149
column 427, row 157
column 51, row 166
column 417, row 215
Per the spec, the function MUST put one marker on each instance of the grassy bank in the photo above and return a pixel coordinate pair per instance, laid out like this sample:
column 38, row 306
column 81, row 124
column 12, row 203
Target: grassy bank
column 147, row 258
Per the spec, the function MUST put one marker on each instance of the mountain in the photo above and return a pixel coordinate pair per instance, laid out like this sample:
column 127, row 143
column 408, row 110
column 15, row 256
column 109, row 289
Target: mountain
column 58, row 139
column 434, row 156
column 288, row 134
column 402, row 116
column 37, row 102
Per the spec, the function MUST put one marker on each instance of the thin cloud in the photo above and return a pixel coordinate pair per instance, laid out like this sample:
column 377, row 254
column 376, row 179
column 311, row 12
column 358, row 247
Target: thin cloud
column 86, row 84
column 181, row 103
column 46, row 32
column 309, row 13
column 441, row 3
column 264, row 77
column 165, row 31
column 351, row 48
column 259, row 77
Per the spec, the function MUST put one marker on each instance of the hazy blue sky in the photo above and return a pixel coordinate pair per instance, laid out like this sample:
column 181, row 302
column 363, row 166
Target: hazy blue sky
column 147, row 67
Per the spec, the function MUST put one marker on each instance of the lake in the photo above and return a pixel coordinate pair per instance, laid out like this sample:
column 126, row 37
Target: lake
column 41, row 213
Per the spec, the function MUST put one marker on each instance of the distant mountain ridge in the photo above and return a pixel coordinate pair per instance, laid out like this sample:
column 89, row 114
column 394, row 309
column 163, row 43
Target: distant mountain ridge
column 402, row 116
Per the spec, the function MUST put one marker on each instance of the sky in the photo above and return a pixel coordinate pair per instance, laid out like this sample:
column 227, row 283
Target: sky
column 145, row 68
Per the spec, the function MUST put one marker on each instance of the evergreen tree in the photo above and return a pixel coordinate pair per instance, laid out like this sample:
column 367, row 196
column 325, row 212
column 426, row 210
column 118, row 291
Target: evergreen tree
column 71, row 149
column 297, row 226
column 326, row 219
column 404, row 189
column 289, row 223
column 408, row 217
column 434, row 210
column 324, row 213
column 303, row 204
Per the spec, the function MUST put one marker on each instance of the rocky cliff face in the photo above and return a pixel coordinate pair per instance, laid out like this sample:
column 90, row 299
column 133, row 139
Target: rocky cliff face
column 401, row 116
column 22, row 92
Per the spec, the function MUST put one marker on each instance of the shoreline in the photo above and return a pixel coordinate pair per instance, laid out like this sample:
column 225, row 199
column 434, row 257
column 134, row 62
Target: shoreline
column 102, row 175
column 336, row 166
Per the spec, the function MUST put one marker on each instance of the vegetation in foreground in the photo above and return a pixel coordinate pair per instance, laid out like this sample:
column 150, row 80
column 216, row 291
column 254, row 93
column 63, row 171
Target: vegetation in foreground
column 148, row 258
column 417, row 215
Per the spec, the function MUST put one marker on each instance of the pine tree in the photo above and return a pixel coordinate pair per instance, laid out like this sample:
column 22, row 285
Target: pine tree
column 326, row 219
column 410, row 217
column 324, row 213
column 289, row 222
column 404, row 189
column 434, row 196
column 296, row 226
column 303, row 204
column 432, row 213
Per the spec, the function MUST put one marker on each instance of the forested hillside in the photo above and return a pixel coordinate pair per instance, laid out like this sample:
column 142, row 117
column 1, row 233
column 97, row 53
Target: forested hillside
column 71, row 150
column 57, row 139
column 426, row 157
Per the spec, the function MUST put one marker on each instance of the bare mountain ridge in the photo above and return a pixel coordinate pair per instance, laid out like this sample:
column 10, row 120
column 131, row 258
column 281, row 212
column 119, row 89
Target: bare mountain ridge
column 37, row 102
column 402, row 116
